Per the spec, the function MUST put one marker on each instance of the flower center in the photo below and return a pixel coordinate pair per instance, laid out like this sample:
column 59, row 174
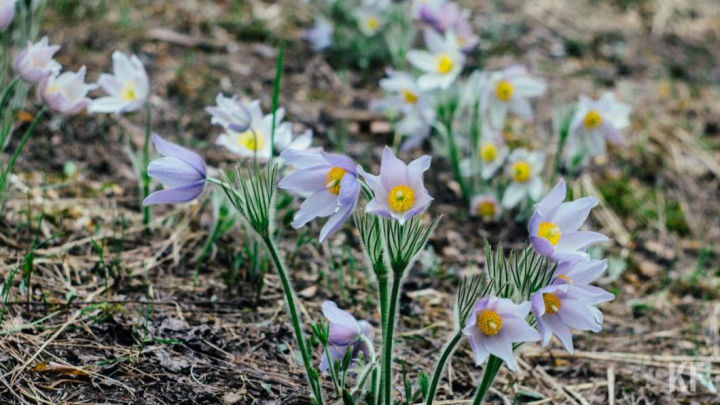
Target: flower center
column 552, row 303
column 504, row 91
column 489, row 322
column 486, row 209
column 444, row 64
column 128, row 92
column 333, row 178
column 401, row 198
column 488, row 152
column 592, row 119
column 521, row 171
column 372, row 23
column 409, row 96
column 550, row 232
column 566, row 278
column 251, row 140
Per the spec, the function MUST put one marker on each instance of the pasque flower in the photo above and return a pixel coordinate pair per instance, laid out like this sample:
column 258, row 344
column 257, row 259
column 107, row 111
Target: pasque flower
column 7, row 13
column 320, row 35
column 510, row 90
column 36, row 61
column 181, row 171
column 346, row 333
column 127, row 88
column 370, row 20
column 65, row 93
column 569, row 302
column 596, row 121
column 441, row 63
column 486, row 206
column 399, row 191
column 427, row 10
column 328, row 181
column 524, row 170
column 554, row 226
column 230, row 113
column 494, row 325
column 450, row 16
column 492, row 152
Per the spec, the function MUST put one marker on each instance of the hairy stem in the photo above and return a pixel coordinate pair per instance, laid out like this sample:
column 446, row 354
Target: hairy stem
column 388, row 341
column 383, row 296
column 491, row 369
column 449, row 348
column 146, row 162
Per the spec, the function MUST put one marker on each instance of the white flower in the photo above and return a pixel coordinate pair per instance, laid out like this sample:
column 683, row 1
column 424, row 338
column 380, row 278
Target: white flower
column 486, row 206
column 441, row 63
column 595, row 121
column 65, row 93
column 128, row 87
column 230, row 113
column 370, row 20
column 255, row 141
column 524, row 169
column 36, row 61
column 509, row 90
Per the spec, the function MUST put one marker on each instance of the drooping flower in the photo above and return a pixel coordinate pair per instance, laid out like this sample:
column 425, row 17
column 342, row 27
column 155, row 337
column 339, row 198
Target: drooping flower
column 127, row 88
column 181, row 171
column 254, row 142
column 230, row 113
column 328, row 181
column 320, row 35
column 345, row 334
column 524, row 170
column 596, row 121
column 509, row 90
column 7, row 13
column 486, row 206
column 399, row 191
column 36, row 61
column 65, row 93
column 570, row 303
column 554, row 227
column 494, row 325
column 441, row 63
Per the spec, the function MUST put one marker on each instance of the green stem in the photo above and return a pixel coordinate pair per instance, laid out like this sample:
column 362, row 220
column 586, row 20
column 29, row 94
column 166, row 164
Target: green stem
column 290, row 301
column 491, row 369
column 13, row 159
column 449, row 348
column 146, row 162
column 383, row 296
column 388, row 342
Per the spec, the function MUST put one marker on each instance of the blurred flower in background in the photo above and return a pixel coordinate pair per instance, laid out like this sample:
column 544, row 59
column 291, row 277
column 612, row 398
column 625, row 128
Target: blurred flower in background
column 596, row 121
column 7, row 13
column 486, row 206
column 65, row 93
column 230, row 113
column 510, row 90
column 524, row 169
column 36, row 61
column 441, row 63
column 128, row 87
column 320, row 35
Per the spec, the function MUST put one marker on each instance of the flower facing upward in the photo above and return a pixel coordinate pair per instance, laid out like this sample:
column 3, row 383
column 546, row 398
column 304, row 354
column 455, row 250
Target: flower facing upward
column 127, row 88
column 494, row 325
column 370, row 20
column 485, row 206
column 65, row 93
column 568, row 302
column 36, row 61
column 510, row 90
column 230, row 113
column 320, row 35
column 492, row 152
column 595, row 121
column 399, row 191
column 345, row 334
column 554, row 226
column 524, row 169
column 181, row 171
column 441, row 63
column 328, row 181
column 7, row 13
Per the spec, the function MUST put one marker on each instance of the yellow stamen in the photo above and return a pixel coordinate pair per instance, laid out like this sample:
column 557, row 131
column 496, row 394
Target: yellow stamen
column 372, row 23
column 552, row 303
column 489, row 322
column 128, row 92
column 504, row 91
column 488, row 152
column 444, row 64
column 564, row 277
column 333, row 178
column 521, row 171
column 592, row 119
column 550, row 232
column 486, row 209
column 401, row 198
column 409, row 96
column 251, row 140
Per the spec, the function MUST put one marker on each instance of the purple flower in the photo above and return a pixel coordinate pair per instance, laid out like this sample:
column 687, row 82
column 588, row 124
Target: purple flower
column 554, row 227
column 595, row 121
column 36, row 61
column 399, row 189
column 452, row 17
column 494, row 325
column 230, row 113
column 181, row 171
column 320, row 36
column 7, row 13
column 65, row 93
column 569, row 302
column 345, row 334
column 328, row 181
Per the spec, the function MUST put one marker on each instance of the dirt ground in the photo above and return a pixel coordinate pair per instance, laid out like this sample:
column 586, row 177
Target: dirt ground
column 146, row 335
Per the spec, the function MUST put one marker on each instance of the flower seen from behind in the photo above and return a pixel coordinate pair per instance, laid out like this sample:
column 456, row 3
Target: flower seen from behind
column 181, row 171
column 346, row 333
column 36, row 61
